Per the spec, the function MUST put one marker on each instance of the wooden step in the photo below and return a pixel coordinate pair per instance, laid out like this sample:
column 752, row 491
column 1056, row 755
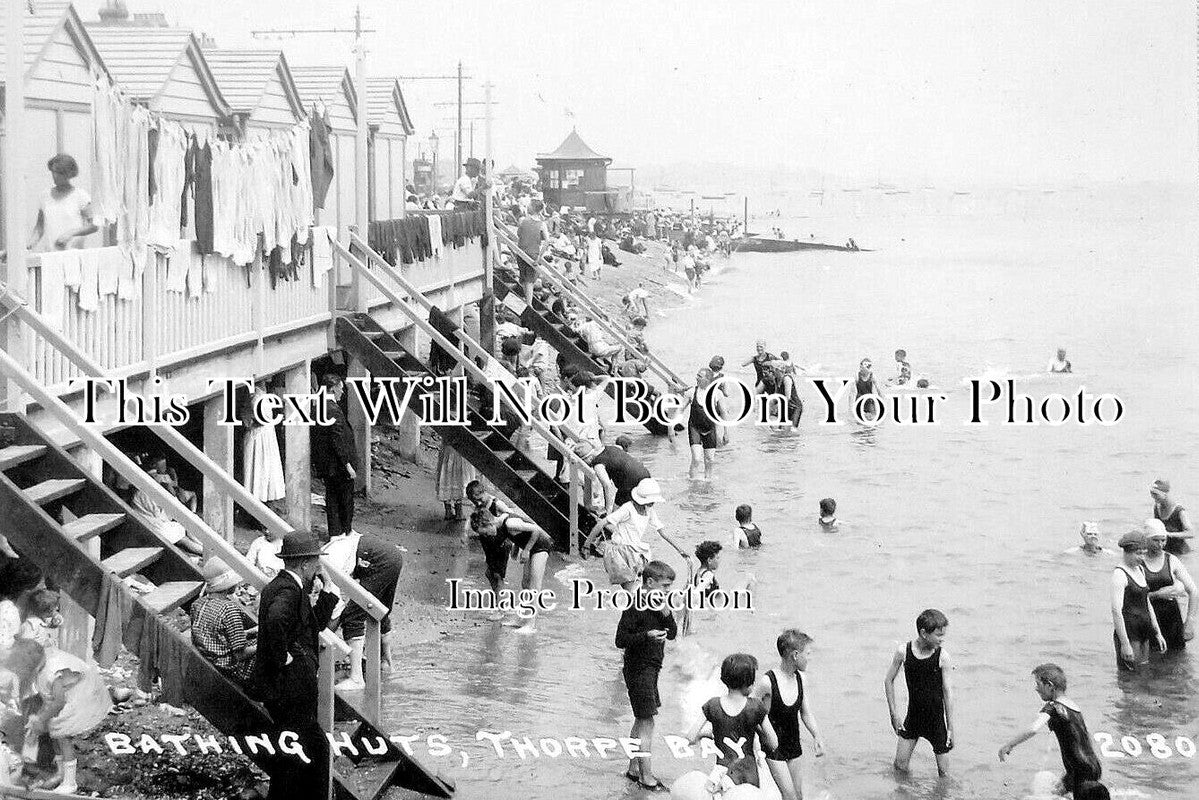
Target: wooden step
column 169, row 596
column 131, row 559
column 90, row 525
column 373, row 334
column 526, row 475
column 393, row 355
column 19, row 454
column 54, row 489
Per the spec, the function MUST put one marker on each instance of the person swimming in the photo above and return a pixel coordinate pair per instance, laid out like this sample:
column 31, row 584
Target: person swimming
column 1060, row 365
column 1090, row 541
column 828, row 514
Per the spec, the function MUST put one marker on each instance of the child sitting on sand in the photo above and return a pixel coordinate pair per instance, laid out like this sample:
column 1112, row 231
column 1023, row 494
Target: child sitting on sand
column 42, row 619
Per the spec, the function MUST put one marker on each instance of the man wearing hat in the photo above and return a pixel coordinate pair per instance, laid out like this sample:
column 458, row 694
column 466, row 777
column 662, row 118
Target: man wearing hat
column 219, row 623
column 292, row 611
column 468, row 189
column 619, row 472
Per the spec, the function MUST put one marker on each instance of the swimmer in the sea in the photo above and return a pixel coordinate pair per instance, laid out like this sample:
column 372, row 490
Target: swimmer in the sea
column 1060, row 364
column 1090, row 541
column 747, row 533
column 708, row 554
column 904, row 376
column 828, row 514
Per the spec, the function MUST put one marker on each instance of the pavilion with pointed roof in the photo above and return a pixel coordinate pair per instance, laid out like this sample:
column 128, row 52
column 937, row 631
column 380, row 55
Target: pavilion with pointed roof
column 575, row 175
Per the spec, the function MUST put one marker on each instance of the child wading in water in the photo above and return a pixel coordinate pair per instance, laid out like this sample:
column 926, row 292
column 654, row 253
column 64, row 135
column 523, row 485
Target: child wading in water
column 73, row 702
column 746, row 534
column 828, row 514
column 736, row 720
column 1064, row 718
column 642, row 634
column 708, row 553
column 785, row 691
column 530, row 545
column 926, row 669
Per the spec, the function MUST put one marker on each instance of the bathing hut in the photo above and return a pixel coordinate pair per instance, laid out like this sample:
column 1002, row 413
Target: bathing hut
column 331, row 89
column 258, row 86
column 574, row 175
column 390, row 127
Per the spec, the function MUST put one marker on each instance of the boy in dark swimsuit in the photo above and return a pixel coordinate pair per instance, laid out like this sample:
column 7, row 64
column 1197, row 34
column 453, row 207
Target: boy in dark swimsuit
column 708, row 554
column 787, row 680
column 926, row 668
column 642, row 634
column 1065, row 720
column 747, row 533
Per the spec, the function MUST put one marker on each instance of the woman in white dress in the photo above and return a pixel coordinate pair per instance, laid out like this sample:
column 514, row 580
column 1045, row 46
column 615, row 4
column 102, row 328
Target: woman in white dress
column 262, row 465
column 64, row 219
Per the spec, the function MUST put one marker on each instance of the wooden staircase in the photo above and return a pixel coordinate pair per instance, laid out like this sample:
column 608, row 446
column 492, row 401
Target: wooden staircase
column 543, row 322
column 53, row 512
column 488, row 448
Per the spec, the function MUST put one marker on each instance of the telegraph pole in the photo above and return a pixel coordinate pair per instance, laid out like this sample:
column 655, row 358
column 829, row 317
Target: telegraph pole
column 459, row 140
column 459, row 78
column 487, row 87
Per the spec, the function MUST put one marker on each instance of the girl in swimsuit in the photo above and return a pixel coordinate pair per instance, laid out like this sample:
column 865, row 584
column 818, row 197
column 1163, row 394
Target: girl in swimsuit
column 775, row 688
column 737, row 717
column 1168, row 580
column 1132, row 615
column 864, row 385
column 701, row 428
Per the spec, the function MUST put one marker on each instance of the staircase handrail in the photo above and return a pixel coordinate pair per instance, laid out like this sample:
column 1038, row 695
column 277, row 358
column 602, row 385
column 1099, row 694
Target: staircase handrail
column 549, row 271
column 470, row 367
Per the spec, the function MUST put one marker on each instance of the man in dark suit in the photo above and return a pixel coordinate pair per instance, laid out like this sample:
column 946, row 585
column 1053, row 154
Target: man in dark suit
column 336, row 458
column 292, row 611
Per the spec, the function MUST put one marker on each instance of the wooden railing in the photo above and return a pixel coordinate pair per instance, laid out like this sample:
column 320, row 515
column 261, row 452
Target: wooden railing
column 553, row 275
column 350, row 590
column 580, row 470
column 161, row 327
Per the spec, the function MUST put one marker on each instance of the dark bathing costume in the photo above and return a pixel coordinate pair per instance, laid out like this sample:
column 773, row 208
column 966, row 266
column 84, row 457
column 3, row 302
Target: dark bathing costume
column 1136, row 618
column 785, row 719
column 866, row 387
column 1169, row 615
column 1173, row 524
column 1073, row 739
column 743, row 726
column 926, row 701
column 701, row 429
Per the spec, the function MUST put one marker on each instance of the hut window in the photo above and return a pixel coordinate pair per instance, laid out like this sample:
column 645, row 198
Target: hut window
column 573, row 178
column 555, row 180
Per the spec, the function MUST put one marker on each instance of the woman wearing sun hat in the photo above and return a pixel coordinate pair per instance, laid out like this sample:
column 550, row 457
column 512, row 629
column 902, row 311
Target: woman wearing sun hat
column 627, row 553
column 219, row 623
column 1135, row 623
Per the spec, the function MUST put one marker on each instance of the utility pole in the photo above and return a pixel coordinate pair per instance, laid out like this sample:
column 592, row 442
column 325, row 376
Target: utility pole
column 12, row 273
column 487, row 87
column 459, row 153
column 459, row 78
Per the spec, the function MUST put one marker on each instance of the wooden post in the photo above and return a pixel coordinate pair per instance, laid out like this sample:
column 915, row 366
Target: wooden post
column 362, row 429
column 372, row 672
column 573, row 547
column 218, row 446
column 16, row 221
column 297, row 467
column 409, row 425
column 324, row 707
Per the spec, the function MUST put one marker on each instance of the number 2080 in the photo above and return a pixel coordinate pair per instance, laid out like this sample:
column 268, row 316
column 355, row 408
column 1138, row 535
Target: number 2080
column 1157, row 746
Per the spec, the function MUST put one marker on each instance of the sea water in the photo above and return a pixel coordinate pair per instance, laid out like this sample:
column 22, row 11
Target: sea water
column 970, row 519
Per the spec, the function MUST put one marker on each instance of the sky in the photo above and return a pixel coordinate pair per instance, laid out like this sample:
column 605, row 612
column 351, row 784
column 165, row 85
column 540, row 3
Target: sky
column 1013, row 92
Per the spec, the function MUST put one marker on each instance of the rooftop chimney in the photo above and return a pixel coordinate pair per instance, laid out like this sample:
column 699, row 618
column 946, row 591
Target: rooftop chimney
column 114, row 12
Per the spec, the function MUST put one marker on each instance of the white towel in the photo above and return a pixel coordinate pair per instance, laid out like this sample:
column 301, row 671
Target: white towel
column 322, row 252
column 195, row 274
column 435, row 234
column 70, row 268
column 177, row 261
column 89, row 280
column 113, row 262
column 53, row 288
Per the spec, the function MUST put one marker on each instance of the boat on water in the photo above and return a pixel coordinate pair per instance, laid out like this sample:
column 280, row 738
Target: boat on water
column 766, row 244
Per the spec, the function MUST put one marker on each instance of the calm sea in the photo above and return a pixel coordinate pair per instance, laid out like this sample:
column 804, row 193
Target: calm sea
column 973, row 520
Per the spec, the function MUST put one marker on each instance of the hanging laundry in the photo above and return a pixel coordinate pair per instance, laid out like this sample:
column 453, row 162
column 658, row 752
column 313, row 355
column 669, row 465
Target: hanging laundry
column 203, row 199
column 113, row 263
column 195, row 274
column 53, row 290
column 89, row 280
column 322, row 252
column 435, row 240
column 177, row 264
column 320, row 154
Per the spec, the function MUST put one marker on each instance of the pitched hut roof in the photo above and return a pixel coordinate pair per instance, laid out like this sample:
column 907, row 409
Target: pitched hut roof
column 573, row 148
column 325, row 84
column 244, row 76
column 142, row 59
column 43, row 21
column 385, row 101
